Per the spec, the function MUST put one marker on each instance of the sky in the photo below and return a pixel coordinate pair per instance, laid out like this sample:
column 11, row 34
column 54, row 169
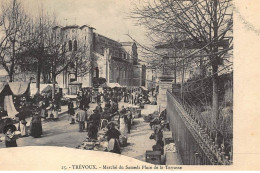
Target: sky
column 108, row 17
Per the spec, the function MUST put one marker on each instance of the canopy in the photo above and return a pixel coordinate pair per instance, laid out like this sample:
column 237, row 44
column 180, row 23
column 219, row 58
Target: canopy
column 70, row 96
column 19, row 88
column 33, row 89
column 2, row 86
column 47, row 89
column 144, row 88
column 112, row 85
column 9, row 106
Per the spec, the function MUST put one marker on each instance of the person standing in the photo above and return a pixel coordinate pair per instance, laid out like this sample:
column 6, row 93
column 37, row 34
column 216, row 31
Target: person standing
column 87, row 100
column 71, row 112
column 43, row 109
column 123, row 124
column 55, row 111
column 22, row 127
column 93, row 124
column 36, row 126
column 50, row 111
column 114, row 107
column 99, row 108
column 81, row 118
column 98, row 97
column 129, row 121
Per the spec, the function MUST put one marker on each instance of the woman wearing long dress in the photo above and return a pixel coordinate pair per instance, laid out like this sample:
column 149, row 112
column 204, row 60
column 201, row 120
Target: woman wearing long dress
column 36, row 126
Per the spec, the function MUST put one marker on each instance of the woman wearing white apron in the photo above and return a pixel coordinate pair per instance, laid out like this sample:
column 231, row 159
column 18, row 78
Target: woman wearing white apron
column 123, row 125
column 22, row 128
column 55, row 112
column 49, row 109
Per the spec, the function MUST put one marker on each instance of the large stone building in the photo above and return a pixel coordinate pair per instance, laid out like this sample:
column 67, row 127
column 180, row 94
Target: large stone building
column 117, row 62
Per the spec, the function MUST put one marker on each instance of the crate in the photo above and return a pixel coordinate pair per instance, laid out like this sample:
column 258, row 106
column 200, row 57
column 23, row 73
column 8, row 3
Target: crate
column 171, row 158
column 153, row 157
column 167, row 134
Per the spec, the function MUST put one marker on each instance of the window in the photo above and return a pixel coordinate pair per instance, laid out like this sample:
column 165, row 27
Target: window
column 124, row 55
column 70, row 45
column 75, row 45
column 85, row 37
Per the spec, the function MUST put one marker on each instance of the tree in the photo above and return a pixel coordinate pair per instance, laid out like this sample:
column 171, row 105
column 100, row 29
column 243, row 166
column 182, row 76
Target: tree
column 13, row 27
column 207, row 23
column 61, row 56
column 34, row 55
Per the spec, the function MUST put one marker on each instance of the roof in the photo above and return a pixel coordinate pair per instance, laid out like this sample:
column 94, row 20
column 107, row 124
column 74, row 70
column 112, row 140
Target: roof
column 127, row 43
column 99, row 35
column 72, row 27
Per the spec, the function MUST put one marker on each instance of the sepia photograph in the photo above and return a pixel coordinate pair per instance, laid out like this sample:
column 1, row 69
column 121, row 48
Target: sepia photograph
column 151, row 80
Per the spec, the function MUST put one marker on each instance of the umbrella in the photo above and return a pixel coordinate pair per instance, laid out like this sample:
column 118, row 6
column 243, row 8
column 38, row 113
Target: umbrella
column 11, row 126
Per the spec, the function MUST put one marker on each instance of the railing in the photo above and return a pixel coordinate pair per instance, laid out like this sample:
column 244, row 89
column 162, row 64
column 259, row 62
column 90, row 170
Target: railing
column 193, row 144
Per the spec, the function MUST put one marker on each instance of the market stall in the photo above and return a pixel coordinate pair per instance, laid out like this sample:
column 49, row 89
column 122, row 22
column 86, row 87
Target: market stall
column 44, row 88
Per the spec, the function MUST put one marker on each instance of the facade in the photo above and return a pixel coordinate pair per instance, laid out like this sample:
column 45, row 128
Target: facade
column 151, row 76
column 116, row 62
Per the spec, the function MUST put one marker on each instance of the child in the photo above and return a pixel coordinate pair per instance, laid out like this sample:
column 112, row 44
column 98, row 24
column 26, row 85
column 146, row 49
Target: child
column 10, row 136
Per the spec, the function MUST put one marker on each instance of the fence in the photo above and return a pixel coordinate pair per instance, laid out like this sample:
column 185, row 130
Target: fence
column 193, row 145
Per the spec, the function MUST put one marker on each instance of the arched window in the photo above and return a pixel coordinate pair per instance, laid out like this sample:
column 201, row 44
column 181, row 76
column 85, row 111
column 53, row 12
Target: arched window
column 70, row 45
column 75, row 45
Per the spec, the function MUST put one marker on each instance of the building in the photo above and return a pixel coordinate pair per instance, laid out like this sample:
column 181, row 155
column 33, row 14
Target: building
column 100, row 56
column 117, row 62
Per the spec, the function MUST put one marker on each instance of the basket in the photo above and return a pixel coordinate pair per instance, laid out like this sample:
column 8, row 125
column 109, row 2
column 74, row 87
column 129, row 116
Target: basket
column 153, row 157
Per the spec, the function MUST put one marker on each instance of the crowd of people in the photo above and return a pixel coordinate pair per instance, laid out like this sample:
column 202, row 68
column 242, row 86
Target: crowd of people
column 117, row 121
column 109, row 116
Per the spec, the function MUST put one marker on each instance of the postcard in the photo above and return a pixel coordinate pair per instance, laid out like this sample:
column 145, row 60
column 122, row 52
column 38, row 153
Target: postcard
column 129, row 85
